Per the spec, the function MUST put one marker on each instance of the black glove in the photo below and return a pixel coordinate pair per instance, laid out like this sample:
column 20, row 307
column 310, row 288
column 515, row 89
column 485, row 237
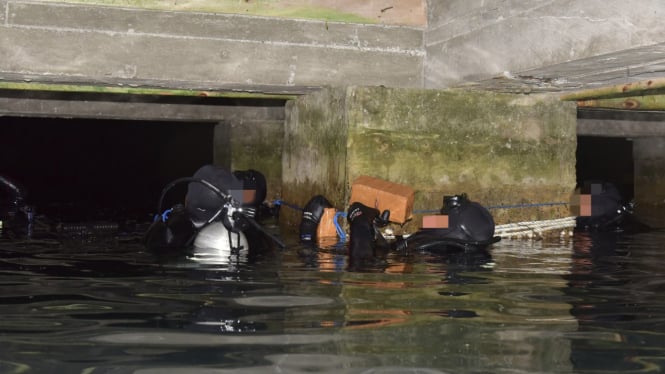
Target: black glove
column 311, row 216
column 363, row 233
column 359, row 211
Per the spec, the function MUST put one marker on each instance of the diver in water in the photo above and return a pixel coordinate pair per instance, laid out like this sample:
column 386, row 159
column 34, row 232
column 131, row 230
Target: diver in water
column 609, row 212
column 16, row 217
column 217, row 217
column 470, row 226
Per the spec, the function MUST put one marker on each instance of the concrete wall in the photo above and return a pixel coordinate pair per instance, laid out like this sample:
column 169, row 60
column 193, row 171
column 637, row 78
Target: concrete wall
column 470, row 40
column 111, row 45
column 649, row 158
column 314, row 151
column 253, row 140
column 500, row 149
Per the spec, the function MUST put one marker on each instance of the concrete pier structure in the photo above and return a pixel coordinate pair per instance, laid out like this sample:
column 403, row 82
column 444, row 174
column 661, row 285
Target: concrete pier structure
column 500, row 149
column 649, row 158
column 256, row 71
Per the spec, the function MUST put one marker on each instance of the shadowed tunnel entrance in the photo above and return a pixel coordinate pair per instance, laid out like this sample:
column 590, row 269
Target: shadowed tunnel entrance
column 91, row 169
column 606, row 159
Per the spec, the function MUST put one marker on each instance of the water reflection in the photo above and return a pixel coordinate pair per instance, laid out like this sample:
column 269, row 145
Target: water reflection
column 616, row 283
column 585, row 304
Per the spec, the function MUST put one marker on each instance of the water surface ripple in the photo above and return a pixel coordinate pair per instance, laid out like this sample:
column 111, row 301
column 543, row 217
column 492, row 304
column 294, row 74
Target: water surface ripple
column 587, row 304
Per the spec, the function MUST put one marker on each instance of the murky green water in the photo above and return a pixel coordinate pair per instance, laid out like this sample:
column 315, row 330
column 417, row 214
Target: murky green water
column 585, row 304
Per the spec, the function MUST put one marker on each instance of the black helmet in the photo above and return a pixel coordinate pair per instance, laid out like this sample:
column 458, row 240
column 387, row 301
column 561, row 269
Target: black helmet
column 202, row 202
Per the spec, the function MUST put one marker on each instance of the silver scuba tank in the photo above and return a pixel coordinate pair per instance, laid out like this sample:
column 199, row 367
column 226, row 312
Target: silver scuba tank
column 217, row 244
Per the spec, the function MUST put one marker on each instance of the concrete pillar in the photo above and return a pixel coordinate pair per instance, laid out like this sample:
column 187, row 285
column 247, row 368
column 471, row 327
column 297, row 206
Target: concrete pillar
column 500, row 149
column 222, row 145
column 649, row 158
column 314, row 156
column 242, row 144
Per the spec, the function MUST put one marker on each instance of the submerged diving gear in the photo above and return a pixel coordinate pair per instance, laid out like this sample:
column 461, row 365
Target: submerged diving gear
column 469, row 225
column 215, row 240
column 174, row 230
column 208, row 201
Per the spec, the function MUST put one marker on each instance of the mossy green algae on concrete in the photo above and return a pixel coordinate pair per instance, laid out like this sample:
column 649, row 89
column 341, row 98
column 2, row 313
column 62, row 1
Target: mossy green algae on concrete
column 257, row 8
column 501, row 149
column 314, row 157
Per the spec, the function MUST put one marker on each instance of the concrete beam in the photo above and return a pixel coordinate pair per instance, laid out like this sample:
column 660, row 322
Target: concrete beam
column 620, row 129
column 547, row 45
column 623, row 67
column 92, row 44
column 26, row 107
column 620, row 123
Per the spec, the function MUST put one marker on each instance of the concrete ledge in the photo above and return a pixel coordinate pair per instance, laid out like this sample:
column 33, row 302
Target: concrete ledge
column 133, row 111
column 621, row 129
column 66, row 42
column 480, row 40
column 380, row 38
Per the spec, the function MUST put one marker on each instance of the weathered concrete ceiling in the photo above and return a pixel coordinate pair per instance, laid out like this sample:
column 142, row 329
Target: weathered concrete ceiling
column 138, row 105
column 68, row 43
column 542, row 45
column 489, row 45
column 633, row 65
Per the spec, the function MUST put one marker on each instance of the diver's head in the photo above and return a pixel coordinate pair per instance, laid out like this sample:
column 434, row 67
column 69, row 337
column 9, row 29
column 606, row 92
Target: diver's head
column 201, row 202
column 254, row 190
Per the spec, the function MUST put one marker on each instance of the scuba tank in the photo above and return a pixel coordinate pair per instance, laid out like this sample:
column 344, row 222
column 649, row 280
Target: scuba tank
column 470, row 225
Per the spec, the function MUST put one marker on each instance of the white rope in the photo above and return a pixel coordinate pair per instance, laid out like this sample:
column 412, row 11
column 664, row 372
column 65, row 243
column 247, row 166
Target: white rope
column 531, row 229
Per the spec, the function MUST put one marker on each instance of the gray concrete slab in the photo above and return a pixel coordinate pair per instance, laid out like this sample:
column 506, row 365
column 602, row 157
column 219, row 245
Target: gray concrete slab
column 621, row 67
column 54, row 108
column 620, row 129
column 102, row 56
column 68, row 42
column 516, row 36
column 216, row 26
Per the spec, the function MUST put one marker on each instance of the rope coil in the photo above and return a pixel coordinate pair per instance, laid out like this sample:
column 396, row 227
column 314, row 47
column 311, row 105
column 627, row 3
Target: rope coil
column 533, row 228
